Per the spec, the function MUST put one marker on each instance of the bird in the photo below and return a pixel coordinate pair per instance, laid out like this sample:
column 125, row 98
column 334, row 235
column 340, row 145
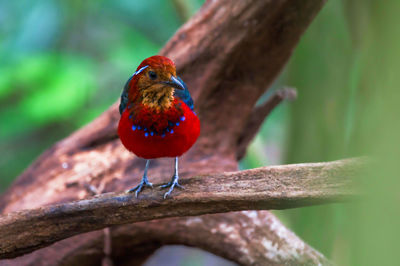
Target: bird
column 157, row 117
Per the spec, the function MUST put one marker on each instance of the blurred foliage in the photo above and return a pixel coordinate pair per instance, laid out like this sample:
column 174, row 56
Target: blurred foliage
column 345, row 69
column 64, row 62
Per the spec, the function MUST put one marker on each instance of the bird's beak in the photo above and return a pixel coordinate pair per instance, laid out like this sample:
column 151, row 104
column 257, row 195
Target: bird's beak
column 175, row 83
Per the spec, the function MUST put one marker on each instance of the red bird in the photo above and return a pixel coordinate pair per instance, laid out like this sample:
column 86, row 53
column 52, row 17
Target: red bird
column 157, row 117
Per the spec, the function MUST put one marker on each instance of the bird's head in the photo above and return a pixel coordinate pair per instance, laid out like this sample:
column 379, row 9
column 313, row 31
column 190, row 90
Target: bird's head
column 156, row 81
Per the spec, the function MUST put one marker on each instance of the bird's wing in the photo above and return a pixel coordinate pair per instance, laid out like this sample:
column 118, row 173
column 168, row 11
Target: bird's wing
column 124, row 97
column 184, row 95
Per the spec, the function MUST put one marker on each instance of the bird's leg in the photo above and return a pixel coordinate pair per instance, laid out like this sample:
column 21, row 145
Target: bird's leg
column 174, row 181
column 144, row 182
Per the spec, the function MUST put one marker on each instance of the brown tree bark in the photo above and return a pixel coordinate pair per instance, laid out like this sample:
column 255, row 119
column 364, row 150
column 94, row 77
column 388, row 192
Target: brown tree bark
column 276, row 187
column 228, row 54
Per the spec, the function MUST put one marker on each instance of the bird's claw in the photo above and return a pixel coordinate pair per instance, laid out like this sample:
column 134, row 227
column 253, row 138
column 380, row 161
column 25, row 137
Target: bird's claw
column 138, row 188
column 172, row 184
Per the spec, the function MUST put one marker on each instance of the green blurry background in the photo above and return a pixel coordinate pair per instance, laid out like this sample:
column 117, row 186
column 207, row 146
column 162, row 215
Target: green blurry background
column 62, row 63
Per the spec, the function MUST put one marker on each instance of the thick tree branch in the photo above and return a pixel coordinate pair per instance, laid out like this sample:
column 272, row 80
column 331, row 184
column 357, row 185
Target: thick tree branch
column 228, row 54
column 247, row 238
column 275, row 187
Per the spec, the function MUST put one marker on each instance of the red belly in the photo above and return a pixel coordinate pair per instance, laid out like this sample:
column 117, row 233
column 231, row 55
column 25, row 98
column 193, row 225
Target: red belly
column 171, row 145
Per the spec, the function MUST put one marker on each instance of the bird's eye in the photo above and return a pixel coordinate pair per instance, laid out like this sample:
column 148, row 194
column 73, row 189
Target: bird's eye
column 152, row 75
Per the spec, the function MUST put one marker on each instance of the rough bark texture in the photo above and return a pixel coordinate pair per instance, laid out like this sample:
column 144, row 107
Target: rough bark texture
column 228, row 54
column 247, row 237
column 276, row 187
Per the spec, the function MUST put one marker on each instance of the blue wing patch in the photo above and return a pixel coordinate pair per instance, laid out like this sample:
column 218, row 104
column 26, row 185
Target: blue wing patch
column 124, row 97
column 184, row 95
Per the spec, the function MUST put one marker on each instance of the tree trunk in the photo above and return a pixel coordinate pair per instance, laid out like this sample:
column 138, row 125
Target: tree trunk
column 228, row 53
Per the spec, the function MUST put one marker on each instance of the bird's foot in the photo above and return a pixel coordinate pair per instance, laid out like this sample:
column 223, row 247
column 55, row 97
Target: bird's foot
column 144, row 183
column 172, row 184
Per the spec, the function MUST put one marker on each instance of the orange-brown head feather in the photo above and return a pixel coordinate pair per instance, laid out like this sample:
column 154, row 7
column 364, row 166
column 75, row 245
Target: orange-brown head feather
column 154, row 82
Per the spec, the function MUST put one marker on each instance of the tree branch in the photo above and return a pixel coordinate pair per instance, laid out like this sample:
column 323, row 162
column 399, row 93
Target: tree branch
column 228, row 54
column 247, row 238
column 275, row 187
column 258, row 116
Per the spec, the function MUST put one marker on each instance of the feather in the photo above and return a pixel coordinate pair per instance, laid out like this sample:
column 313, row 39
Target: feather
column 124, row 97
column 184, row 95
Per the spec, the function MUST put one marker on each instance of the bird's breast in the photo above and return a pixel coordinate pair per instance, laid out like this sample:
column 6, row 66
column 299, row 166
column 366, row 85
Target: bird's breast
column 155, row 135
